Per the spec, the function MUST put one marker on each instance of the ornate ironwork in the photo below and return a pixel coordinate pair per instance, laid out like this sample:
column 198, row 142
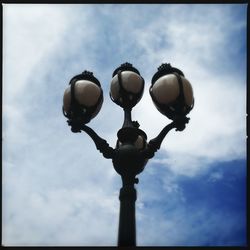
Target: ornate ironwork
column 128, row 160
column 126, row 67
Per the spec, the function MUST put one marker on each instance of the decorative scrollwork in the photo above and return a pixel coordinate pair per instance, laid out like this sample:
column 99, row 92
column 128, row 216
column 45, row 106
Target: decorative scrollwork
column 101, row 144
column 77, row 126
column 179, row 123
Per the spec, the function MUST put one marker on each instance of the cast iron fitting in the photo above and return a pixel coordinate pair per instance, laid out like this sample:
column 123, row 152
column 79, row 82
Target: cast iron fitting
column 130, row 134
column 126, row 67
column 85, row 75
column 165, row 69
column 128, row 160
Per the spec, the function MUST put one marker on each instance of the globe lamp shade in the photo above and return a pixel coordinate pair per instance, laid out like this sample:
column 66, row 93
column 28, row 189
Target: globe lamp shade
column 172, row 93
column 83, row 99
column 127, row 86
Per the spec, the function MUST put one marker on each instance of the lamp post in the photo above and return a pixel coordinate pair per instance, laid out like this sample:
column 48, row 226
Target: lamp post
column 172, row 95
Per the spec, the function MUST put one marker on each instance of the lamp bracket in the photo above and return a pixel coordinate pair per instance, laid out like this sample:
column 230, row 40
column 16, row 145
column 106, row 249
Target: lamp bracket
column 179, row 124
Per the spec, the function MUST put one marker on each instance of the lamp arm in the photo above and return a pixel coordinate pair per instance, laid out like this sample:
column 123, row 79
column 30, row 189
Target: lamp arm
column 155, row 143
column 101, row 144
column 77, row 125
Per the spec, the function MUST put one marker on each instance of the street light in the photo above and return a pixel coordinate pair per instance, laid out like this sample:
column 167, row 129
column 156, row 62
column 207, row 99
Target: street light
column 172, row 95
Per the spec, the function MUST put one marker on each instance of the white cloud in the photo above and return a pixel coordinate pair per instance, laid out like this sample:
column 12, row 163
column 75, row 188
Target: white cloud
column 79, row 215
column 181, row 228
column 30, row 32
column 215, row 176
column 217, row 129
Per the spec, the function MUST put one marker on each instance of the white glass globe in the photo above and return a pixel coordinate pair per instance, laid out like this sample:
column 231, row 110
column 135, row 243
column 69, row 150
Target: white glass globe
column 87, row 94
column 132, row 83
column 166, row 90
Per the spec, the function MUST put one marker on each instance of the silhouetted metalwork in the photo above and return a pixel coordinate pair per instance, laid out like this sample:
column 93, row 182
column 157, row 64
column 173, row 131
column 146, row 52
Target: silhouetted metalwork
column 128, row 160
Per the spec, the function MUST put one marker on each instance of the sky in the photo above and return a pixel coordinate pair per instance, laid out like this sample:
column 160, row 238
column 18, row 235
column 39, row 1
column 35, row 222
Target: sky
column 57, row 188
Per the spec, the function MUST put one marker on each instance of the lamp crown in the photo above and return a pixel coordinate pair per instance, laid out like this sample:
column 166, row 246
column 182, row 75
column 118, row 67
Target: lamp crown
column 87, row 73
column 127, row 64
column 164, row 66
column 165, row 69
column 126, row 67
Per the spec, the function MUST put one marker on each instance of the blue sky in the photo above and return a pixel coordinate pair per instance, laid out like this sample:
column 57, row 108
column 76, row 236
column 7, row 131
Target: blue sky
column 58, row 189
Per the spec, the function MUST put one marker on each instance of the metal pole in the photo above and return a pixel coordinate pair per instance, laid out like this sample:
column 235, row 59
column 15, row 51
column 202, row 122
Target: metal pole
column 127, row 225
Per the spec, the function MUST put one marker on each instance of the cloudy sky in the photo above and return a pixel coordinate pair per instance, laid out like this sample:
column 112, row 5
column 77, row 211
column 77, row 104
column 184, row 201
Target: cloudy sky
column 58, row 189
